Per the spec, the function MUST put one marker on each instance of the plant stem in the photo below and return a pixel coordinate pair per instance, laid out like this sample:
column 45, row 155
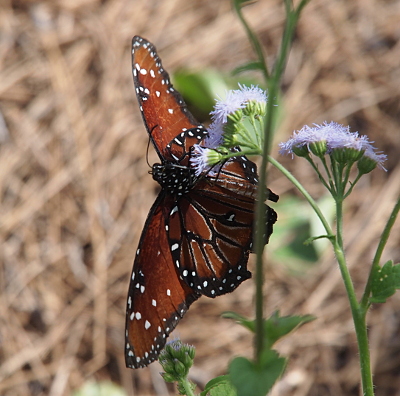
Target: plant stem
column 385, row 236
column 187, row 386
column 307, row 196
column 359, row 316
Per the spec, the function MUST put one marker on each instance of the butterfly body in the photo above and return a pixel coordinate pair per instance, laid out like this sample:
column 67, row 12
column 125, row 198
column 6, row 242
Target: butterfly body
column 198, row 235
column 174, row 179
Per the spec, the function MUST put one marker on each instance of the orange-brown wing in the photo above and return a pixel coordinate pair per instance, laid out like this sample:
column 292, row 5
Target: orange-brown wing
column 210, row 230
column 157, row 297
column 172, row 128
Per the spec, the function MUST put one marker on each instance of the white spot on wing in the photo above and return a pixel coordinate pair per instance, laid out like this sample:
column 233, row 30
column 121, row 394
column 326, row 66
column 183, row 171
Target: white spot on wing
column 174, row 246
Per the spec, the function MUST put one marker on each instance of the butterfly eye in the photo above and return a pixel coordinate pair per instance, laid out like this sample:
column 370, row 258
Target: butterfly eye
column 198, row 234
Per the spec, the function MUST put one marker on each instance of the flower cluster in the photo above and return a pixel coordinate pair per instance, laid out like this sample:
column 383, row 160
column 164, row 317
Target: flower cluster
column 337, row 141
column 230, row 128
column 176, row 359
column 236, row 100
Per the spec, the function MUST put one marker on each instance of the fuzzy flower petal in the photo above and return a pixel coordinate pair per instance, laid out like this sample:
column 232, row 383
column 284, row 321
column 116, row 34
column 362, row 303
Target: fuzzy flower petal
column 378, row 157
column 336, row 136
column 214, row 137
column 236, row 100
column 199, row 159
column 333, row 134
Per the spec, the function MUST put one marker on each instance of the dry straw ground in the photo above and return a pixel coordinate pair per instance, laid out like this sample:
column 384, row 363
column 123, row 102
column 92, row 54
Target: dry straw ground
column 75, row 188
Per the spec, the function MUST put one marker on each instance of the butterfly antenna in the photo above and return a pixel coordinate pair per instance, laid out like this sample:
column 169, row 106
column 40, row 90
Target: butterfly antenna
column 147, row 153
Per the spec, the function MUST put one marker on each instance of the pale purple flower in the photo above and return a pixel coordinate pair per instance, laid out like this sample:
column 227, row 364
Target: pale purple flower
column 336, row 136
column 214, row 137
column 199, row 159
column 236, row 100
column 333, row 134
column 378, row 157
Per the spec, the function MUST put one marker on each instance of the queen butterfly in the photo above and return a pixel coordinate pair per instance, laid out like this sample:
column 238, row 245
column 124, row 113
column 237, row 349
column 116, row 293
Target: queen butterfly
column 198, row 234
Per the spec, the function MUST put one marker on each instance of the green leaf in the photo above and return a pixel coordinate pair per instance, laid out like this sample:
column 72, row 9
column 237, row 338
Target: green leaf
column 254, row 380
column 200, row 89
column 385, row 281
column 219, row 386
column 247, row 67
column 277, row 326
column 247, row 323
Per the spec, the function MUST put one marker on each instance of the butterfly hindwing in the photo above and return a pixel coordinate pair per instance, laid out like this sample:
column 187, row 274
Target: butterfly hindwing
column 157, row 297
column 210, row 229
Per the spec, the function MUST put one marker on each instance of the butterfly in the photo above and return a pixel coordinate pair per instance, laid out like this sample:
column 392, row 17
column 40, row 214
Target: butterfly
column 198, row 234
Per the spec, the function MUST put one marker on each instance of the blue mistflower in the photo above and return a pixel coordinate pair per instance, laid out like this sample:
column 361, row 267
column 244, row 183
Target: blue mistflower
column 235, row 100
column 339, row 142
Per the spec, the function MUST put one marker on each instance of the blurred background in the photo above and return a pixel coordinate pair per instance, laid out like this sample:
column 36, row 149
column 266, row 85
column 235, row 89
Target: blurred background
column 75, row 189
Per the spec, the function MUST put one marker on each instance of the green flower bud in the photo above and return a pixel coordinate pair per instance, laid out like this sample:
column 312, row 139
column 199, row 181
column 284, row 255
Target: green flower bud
column 180, row 369
column 213, row 157
column 301, row 151
column 318, row 148
column 366, row 165
column 235, row 117
column 255, row 109
column 168, row 377
column 346, row 155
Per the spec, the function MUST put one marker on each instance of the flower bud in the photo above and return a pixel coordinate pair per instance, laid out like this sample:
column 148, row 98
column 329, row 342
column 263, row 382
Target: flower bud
column 168, row 377
column 300, row 151
column 346, row 155
column 318, row 148
column 366, row 164
column 180, row 368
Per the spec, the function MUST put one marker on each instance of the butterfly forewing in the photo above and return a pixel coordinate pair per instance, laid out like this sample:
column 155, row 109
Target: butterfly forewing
column 157, row 297
column 172, row 128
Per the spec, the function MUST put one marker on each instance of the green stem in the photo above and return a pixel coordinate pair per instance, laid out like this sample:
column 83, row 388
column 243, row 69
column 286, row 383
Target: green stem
column 332, row 188
column 252, row 38
column 329, row 187
column 375, row 263
column 346, row 177
column 306, row 195
column 352, row 185
column 359, row 316
column 187, row 386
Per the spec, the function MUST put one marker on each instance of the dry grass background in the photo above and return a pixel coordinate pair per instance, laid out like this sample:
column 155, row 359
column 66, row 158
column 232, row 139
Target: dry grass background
column 75, row 188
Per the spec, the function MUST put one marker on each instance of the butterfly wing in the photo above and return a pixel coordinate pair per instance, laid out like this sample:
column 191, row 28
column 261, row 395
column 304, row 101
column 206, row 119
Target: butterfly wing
column 157, row 297
column 210, row 230
column 193, row 243
column 172, row 128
